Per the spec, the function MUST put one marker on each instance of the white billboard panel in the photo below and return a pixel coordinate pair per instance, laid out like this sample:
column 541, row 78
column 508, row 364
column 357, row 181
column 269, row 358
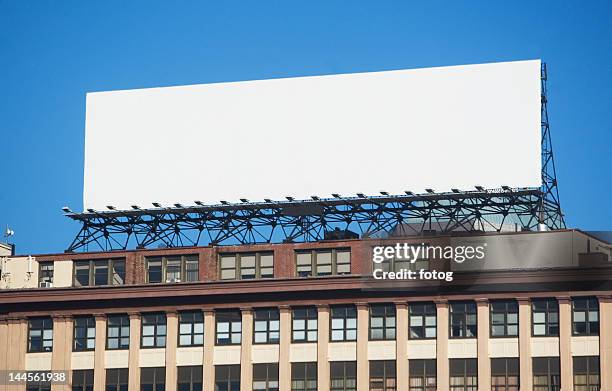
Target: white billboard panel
column 439, row 128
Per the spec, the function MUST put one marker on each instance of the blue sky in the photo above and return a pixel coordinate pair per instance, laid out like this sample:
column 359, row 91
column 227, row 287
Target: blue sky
column 53, row 52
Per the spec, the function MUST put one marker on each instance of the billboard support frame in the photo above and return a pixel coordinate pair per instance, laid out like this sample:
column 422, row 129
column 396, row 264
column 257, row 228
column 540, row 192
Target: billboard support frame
column 276, row 222
column 550, row 208
column 528, row 209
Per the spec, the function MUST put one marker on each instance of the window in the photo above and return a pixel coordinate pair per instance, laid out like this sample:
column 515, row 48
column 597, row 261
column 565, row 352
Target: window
column 504, row 318
column 192, row 269
column 266, row 326
column 180, row 268
column 265, row 377
column 463, row 320
column 99, row 272
column 153, row 330
column 343, row 375
column 396, row 264
column 546, row 374
column 173, row 269
column 323, row 262
column 81, row 273
column 229, row 327
column 422, row 320
column 40, row 335
column 304, row 376
column 153, row 379
column 45, row 274
column 117, row 332
column 189, row 378
column 382, row 322
column 38, row 385
column 585, row 316
column 117, row 379
column 305, row 324
column 227, row 378
column 343, row 323
column 84, row 333
column 191, row 328
column 586, row 373
column 422, row 375
column 154, row 270
column 421, row 263
column 246, row 266
column 545, row 317
column 382, row 375
column 505, row 374
column 464, row 374
column 82, row 380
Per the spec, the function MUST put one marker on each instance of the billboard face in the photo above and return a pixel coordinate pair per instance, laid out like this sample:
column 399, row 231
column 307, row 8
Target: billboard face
column 439, row 128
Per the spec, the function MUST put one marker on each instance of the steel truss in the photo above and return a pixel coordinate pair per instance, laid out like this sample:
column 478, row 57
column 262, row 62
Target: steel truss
column 296, row 221
column 551, row 205
column 311, row 220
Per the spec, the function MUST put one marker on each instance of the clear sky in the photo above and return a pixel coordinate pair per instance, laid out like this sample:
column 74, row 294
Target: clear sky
column 53, row 52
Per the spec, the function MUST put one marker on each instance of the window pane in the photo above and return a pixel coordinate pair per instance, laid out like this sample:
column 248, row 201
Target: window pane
column 228, row 274
column 81, row 273
column 118, row 277
column 539, row 317
column 192, row 267
column 154, row 268
column 228, row 262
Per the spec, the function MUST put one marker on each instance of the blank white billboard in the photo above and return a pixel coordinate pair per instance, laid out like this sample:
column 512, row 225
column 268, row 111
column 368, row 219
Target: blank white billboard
column 439, row 128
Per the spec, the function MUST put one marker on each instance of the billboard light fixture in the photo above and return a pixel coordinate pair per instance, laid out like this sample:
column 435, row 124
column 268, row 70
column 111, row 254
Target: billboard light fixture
column 479, row 188
column 408, row 192
column 224, row 202
column 66, row 209
column 135, row 207
column 336, row 195
column 178, row 205
column 455, row 190
column 430, row 191
column 361, row 195
column 244, row 200
column 506, row 187
column 289, row 198
column 268, row 200
column 199, row 203
column 384, row 193
column 110, row 207
column 91, row 210
column 156, row 204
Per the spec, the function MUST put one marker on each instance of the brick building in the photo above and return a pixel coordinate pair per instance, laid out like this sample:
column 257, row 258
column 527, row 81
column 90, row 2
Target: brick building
column 536, row 314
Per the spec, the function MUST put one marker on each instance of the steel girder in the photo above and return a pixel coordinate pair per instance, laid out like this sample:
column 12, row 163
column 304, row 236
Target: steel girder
column 296, row 221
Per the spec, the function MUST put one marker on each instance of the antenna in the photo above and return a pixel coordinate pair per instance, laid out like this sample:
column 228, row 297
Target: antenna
column 8, row 232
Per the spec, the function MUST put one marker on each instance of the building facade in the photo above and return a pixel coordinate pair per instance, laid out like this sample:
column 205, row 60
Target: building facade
column 535, row 314
column 6, row 249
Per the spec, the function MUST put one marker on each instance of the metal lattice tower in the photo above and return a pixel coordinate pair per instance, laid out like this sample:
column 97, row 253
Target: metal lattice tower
column 550, row 210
